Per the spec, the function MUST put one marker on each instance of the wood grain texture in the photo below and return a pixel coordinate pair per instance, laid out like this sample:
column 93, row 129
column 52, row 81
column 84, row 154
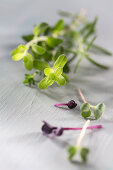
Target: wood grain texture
column 22, row 146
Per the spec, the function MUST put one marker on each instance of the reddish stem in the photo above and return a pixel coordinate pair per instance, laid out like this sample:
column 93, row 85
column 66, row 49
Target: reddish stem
column 60, row 104
column 89, row 127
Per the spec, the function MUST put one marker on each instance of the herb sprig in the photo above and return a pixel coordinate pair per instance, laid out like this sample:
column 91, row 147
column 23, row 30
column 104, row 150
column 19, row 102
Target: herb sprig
column 49, row 45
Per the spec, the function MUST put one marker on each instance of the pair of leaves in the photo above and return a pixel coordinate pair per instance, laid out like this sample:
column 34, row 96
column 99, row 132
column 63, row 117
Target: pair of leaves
column 54, row 74
column 18, row 53
column 98, row 110
column 83, row 153
column 21, row 53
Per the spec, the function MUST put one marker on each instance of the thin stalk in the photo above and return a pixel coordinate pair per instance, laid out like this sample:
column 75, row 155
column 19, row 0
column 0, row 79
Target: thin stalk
column 60, row 104
column 82, row 96
column 35, row 40
column 78, row 63
column 82, row 134
column 89, row 127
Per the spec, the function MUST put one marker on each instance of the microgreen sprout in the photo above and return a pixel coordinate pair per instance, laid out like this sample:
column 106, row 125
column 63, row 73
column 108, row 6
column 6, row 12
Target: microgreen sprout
column 83, row 151
column 45, row 46
column 87, row 109
column 71, row 104
column 58, row 131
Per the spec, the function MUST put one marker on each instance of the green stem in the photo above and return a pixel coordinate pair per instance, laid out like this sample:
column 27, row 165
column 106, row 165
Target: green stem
column 35, row 40
column 78, row 63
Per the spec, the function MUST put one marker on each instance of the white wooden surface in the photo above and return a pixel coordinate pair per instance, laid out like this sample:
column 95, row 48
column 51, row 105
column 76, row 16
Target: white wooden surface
column 22, row 146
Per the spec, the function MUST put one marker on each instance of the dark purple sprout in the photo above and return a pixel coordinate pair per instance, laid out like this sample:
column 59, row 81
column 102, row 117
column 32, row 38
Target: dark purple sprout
column 58, row 131
column 46, row 128
column 53, row 131
column 71, row 104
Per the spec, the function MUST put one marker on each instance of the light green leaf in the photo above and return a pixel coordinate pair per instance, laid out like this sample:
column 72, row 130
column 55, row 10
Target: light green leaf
column 60, row 62
column 72, row 152
column 39, row 29
column 58, row 71
column 17, row 56
column 47, row 71
column 38, row 49
column 19, row 49
column 85, row 110
column 99, row 110
column 43, row 83
column 28, row 61
column 22, row 47
column 51, row 76
column 60, row 80
column 40, row 65
column 52, row 42
column 50, row 82
column 84, row 153
column 59, row 26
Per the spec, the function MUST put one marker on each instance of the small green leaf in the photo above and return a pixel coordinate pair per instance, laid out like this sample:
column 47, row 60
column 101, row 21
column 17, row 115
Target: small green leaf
column 58, row 27
column 58, row 71
column 28, row 61
column 66, row 77
column 40, row 65
column 28, row 38
column 50, row 82
column 95, row 63
column 78, row 63
column 52, row 42
column 72, row 152
column 99, row 110
column 90, row 43
column 19, row 49
column 66, row 68
column 101, row 50
column 85, row 110
column 39, row 29
column 59, row 51
column 17, row 56
column 29, row 79
column 43, row 83
column 38, row 49
column 60, row 62
column 22, row 47
column 60, row 80
column 84, row 153
column 90, row 29
column 47, row 71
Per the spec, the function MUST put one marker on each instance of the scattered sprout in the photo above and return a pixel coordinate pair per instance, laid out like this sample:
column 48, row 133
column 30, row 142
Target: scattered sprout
column 58, row 131
column 71, row 104
column 87, row 109
column 83, row 152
